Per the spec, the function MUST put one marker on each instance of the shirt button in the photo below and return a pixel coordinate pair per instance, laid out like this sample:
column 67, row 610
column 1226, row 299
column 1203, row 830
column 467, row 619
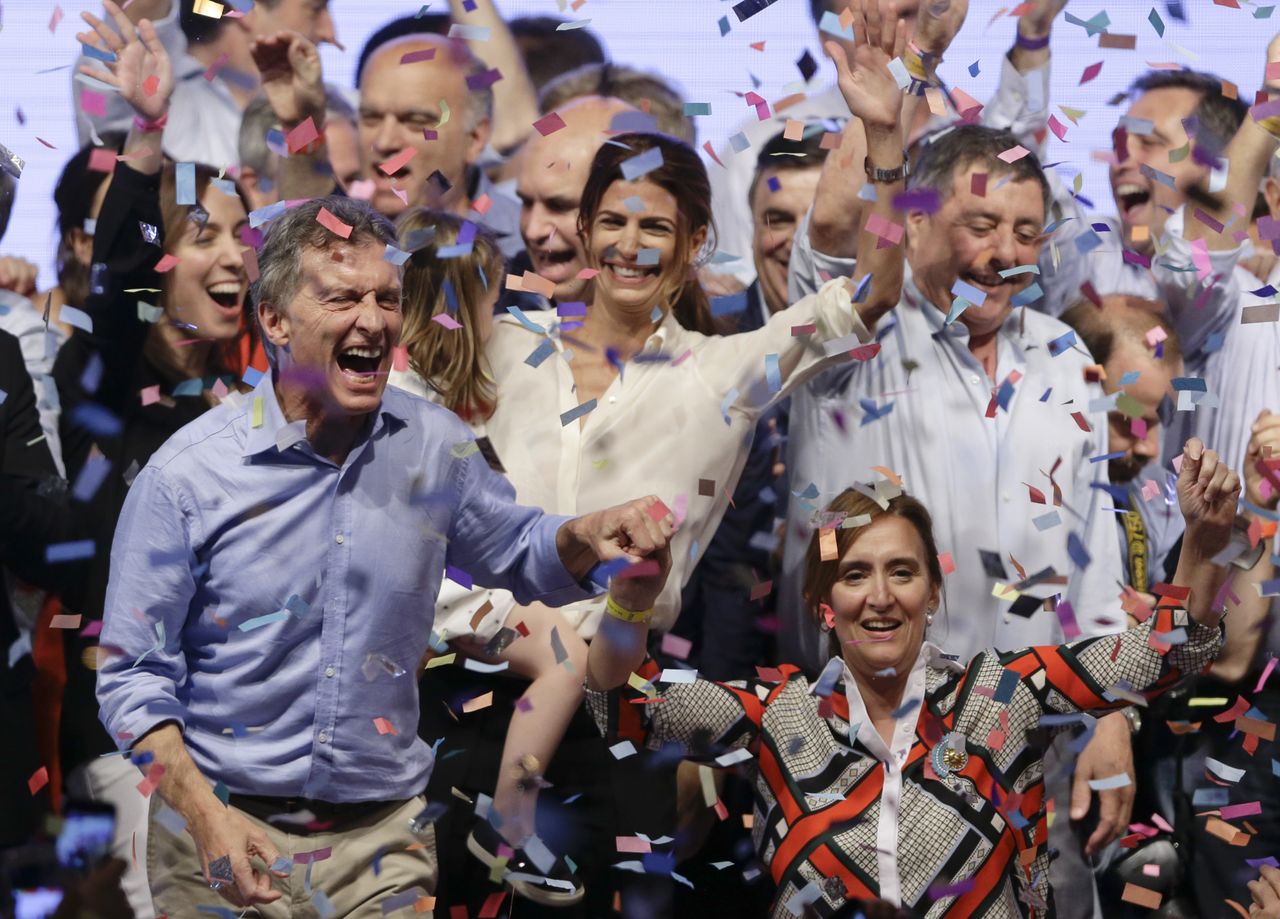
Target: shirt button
column 323, row 738
column 975, row 379
column 1005, row 497
column 339, row 539
column 613, row 399
column 329, row 671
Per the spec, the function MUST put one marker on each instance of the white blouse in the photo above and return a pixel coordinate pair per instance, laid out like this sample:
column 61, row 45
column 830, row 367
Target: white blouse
column 676, row 422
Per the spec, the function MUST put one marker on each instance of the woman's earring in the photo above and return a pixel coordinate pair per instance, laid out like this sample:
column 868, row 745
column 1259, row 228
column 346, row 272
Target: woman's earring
column 928, row 617
column 828, row 617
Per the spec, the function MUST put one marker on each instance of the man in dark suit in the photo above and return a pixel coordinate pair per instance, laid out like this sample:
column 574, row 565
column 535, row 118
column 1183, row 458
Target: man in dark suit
column 31, row 518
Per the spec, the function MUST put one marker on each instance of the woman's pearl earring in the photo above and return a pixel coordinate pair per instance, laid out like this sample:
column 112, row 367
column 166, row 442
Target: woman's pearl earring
column 928, row 617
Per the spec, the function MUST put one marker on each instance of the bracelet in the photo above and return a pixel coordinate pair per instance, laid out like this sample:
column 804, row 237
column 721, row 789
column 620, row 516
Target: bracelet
column 617, row 612
column 1031, row 44
column 887, row 176
column 150, row 127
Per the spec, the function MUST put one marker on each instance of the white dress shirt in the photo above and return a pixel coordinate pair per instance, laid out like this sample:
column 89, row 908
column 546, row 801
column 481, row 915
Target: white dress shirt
column 968, row 470
column 677, row 421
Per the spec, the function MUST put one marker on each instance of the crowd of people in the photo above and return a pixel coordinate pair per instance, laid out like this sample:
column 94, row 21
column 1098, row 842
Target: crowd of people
column 405, row 507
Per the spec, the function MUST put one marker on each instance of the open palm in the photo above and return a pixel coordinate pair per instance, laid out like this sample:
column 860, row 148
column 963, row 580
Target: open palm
column 869, row 88
column 141, row 71
column 292, row 76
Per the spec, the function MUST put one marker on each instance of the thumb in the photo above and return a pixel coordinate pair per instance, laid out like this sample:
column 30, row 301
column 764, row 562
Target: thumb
column 1192, row 451
column 1080, row 794
column 1265, row 413
column 839, row 58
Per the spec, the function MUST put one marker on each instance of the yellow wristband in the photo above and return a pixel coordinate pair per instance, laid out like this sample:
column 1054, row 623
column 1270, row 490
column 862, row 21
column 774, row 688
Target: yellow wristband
column 1271, row 125
column 617, row 612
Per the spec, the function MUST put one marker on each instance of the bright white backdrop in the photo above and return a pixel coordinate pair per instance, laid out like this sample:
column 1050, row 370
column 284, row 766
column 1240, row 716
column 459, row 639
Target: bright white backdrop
column 680, row 38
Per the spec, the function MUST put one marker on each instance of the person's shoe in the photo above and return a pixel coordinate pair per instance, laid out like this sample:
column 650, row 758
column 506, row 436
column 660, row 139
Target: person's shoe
column 557, row 886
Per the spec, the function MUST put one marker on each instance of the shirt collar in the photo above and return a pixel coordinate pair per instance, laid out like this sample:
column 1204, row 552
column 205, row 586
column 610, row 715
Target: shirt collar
column 275, row 432
column 957, row 331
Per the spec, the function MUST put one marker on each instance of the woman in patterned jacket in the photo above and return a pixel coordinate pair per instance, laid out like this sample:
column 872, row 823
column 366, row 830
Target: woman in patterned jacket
column 902, row 773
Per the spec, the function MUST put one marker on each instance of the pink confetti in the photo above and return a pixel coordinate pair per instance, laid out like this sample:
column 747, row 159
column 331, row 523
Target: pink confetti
column 549, row 124
column 1013, row 154
column 331, row 223
column 53, row 27
column 397, row 162
column 215, row 67
column 1090, row 73
column 676, row 646
column 92, row 103
column 102, row 159
column 166, row 263
column 384, row 726
column 446, row 320
column 150, row 395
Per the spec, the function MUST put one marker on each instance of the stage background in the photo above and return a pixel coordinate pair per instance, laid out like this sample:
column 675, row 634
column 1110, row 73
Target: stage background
column 682, row 39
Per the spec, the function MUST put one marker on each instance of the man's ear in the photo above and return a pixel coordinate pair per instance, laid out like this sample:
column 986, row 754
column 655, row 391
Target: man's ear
column 1271, row 191
column 478, row 140
column 275, row 325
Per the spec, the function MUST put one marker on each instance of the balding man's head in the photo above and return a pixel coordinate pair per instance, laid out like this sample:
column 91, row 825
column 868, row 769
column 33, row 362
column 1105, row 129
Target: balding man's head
column 553, row 173
column 427, row 105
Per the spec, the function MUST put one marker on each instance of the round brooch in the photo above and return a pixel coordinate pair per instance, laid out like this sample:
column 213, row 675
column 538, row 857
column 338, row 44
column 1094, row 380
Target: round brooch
column 948, row 755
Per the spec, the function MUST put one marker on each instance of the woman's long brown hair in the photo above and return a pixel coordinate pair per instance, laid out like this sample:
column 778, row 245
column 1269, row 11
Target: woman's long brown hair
column 451, row 361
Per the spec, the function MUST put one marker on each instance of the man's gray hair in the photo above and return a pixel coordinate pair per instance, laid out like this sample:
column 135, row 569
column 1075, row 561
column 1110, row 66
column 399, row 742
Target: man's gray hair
column 295, row 232
column 952, row 150
column 258, row 120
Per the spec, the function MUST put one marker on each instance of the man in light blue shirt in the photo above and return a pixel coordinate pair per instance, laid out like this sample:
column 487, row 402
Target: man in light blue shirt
column 273, row 580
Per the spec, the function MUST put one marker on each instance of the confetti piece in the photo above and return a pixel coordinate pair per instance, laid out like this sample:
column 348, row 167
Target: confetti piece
column 1090, row 73
column 386, row 727
column 1120, row 780
column 333, row 224
column 207, row 8
column 1013, row 154
column 447, row 321
column 259, row 621
column 577, row 412
column 644, row 163
column 414, row 57
column 1141, row 896
column 302, row 136
column 397, row 162
column 623, row 750
column 549, row 124
column 482, row 701
column 38, row 780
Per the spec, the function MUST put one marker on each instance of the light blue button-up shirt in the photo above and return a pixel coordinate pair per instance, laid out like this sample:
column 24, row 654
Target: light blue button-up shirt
column 275, row 604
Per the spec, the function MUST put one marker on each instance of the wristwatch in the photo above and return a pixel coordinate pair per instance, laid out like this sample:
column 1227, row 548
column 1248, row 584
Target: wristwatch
column 1134, row 717
column 887, row 176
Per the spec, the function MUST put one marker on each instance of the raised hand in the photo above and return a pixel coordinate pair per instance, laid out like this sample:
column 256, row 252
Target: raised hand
column 18, row 275
column 1037, row 20
column 868, row 86
column 1262, row 462
column 292, row 77
column 938, row 24
column 140, row 57
column 1208, row 492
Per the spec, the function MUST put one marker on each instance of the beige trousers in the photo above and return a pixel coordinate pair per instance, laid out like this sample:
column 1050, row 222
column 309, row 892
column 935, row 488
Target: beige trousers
column 345, row 880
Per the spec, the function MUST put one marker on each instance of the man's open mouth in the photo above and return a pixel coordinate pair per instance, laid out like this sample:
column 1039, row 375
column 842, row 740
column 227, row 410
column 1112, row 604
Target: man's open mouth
column 360, row 361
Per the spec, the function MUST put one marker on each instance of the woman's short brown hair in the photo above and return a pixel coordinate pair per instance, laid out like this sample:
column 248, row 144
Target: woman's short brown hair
column 820, row 576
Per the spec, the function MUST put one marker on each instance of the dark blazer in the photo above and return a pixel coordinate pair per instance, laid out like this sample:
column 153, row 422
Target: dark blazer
column 30, row 518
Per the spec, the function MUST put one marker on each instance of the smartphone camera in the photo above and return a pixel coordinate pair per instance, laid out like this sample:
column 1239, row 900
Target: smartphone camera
column 87, row 831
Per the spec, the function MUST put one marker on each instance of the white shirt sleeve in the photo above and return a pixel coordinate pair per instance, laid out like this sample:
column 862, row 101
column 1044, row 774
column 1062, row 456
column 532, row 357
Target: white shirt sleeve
column 809, row 269
column 1020, row 104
